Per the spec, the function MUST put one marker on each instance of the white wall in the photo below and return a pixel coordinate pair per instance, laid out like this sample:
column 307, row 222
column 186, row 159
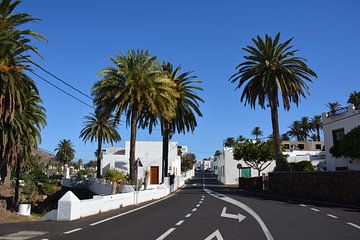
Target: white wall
column 348, row 121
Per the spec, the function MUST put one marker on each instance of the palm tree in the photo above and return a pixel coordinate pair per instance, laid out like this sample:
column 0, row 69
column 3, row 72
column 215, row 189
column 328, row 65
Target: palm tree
column 285, row 137
column 316, row 125
column 305, row 126
column 187, row 107
column 355, row 99
column 240, row 139
column 272, row 68
column 100, row 127
column 136, row 87
column 333, row 106
column 229, row 142
column 257, row 132
column 297, row 131
column 65, row 152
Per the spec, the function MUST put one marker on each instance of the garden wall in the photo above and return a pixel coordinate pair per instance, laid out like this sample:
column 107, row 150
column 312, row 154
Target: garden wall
column 251, row 184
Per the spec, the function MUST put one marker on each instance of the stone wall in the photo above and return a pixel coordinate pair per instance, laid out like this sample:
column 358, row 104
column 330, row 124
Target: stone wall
column 251, row 184
column 337, row 187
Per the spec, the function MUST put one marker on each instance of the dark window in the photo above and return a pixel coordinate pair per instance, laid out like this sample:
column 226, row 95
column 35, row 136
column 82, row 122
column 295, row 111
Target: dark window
column 287, row 146
column 341, row 168
column 338, row 134
column 301, row 146
column 318, row 146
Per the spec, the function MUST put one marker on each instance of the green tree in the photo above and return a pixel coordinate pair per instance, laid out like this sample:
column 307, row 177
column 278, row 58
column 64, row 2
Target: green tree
column 187, row 107
column 136, row 87
column 316, row 125
column 229, row 142
column 257, row 132
column 257, row 155
column 187, row 161
column 65, row 152
column 333, row 106
column 15, row 86
column 305, row 127
column 297, row 131
column 349, row 146
column 285, row 137
column 354, row 99
column 100, row 127
column 272, row 68
column 217, row 153
column 240, row 139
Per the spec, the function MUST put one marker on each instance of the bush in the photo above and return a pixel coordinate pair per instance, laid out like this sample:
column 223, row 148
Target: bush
column 302, row 166
column 349, row 146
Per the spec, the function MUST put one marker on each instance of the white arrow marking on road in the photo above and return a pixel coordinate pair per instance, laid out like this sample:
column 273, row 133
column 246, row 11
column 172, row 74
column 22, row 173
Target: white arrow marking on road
column 216, row 235
column 233, row 216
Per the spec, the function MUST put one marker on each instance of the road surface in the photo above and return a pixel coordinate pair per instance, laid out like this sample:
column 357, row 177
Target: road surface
column 203, row 210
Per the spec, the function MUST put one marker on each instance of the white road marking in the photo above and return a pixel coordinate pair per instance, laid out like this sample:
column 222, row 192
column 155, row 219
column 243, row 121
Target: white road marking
column 198, row 205
column 315, row 209
column 179, row 223
column 233, row 216
column 194, row 209
column 244, row 207
column 74, row 230
column 188, row 215
column 332, row 216
column 216, row 235
column 165, row 234
column 302, row 205
column 133, row 210
column 22, row 235
column 354, row 225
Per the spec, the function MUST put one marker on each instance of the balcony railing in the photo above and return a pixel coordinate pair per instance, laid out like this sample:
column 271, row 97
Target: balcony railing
column 338, row 111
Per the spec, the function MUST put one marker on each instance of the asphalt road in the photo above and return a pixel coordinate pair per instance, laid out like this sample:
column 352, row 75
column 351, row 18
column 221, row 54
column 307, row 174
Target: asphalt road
column 204, row 210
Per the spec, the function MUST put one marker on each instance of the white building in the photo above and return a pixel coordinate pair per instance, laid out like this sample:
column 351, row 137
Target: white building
column 335, row 126
column 205, row 165
column 150, row 154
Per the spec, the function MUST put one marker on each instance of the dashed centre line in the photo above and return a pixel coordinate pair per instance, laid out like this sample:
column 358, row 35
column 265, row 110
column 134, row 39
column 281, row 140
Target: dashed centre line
column 303, row 205
column 194, row 209
column 198, row 205
column 179, row 223
column 72, row 231
column 353, row 225
column 332, row 216
column 165, row 234
column 188, row 215
column 315, row 209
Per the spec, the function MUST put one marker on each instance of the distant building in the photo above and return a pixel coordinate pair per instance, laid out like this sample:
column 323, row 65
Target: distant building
column 205, row 165
column 150, row 155
column 335, row 126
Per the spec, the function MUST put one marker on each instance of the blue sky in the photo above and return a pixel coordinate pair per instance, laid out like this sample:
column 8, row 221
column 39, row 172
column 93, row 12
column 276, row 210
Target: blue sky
column 203, row 36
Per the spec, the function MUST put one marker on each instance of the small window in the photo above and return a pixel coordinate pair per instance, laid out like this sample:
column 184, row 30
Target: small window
column 287, row 146
column 301, row 146
column 341, row 168
column 338, row 134
column 318, row 146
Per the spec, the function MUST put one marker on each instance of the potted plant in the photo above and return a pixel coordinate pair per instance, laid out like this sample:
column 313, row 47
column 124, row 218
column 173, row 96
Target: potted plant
column 146, row 178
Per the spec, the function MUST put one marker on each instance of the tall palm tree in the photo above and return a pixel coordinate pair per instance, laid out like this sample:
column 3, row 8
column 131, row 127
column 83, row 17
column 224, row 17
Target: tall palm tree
column 272, row 68
column 240, row 139
column 65, row 152
column 136, row 86
column 305, row 126
column 333, row 106
column 257, row 132
column 285, row 137
column 354, row 99
column 297, row 131
column 15, row 85
column 187, row 107
column 100, row 127
column 229, row 142
column 316, row 125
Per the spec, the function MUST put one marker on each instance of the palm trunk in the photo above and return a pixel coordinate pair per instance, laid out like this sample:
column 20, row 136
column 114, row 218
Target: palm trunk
column 98, row 155
column 17, row 183
column 276, row 133
column 132, row 145
column 318, row 133
column 165, row 150
column 5, row 174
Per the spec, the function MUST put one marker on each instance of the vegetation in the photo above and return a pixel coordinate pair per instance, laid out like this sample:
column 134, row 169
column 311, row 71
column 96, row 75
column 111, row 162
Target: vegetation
column 115, row 176
column 18, row 93
column 100, row 127
column 257, row 132
column 240, row 139
column 354, row 99
column 65, row 152
column 316, row 125
column 333, row 106
column 349, row 146
column 257, row 155
column 187, row 161
column 272, row 68
column 297, row 131
column 300, row 166
column 136, row 87
column 229, row 142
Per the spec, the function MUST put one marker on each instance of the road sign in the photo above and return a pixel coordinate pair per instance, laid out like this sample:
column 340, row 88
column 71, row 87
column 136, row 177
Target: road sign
column 233, row 216
column 215, row 235
column 239, row 166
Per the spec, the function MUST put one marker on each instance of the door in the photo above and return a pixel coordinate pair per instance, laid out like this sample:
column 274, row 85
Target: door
column 154, row 175
column 246, row 172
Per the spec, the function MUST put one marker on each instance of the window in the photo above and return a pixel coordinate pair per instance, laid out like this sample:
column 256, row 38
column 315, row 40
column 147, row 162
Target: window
column 287, row 146
column 318, row 146
column 301, row 146
column 338, row 134
column 341, row 168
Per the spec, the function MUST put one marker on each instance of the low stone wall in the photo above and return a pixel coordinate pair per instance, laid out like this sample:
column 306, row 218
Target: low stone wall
column 337, row 187
column 251, row 184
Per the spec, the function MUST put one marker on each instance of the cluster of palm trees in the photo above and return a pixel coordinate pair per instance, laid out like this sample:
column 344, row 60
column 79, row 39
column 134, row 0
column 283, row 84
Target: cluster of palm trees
column 147, row 94
column 353, row 99
column 272, row 74
column 305, row 129
column 21, row 113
